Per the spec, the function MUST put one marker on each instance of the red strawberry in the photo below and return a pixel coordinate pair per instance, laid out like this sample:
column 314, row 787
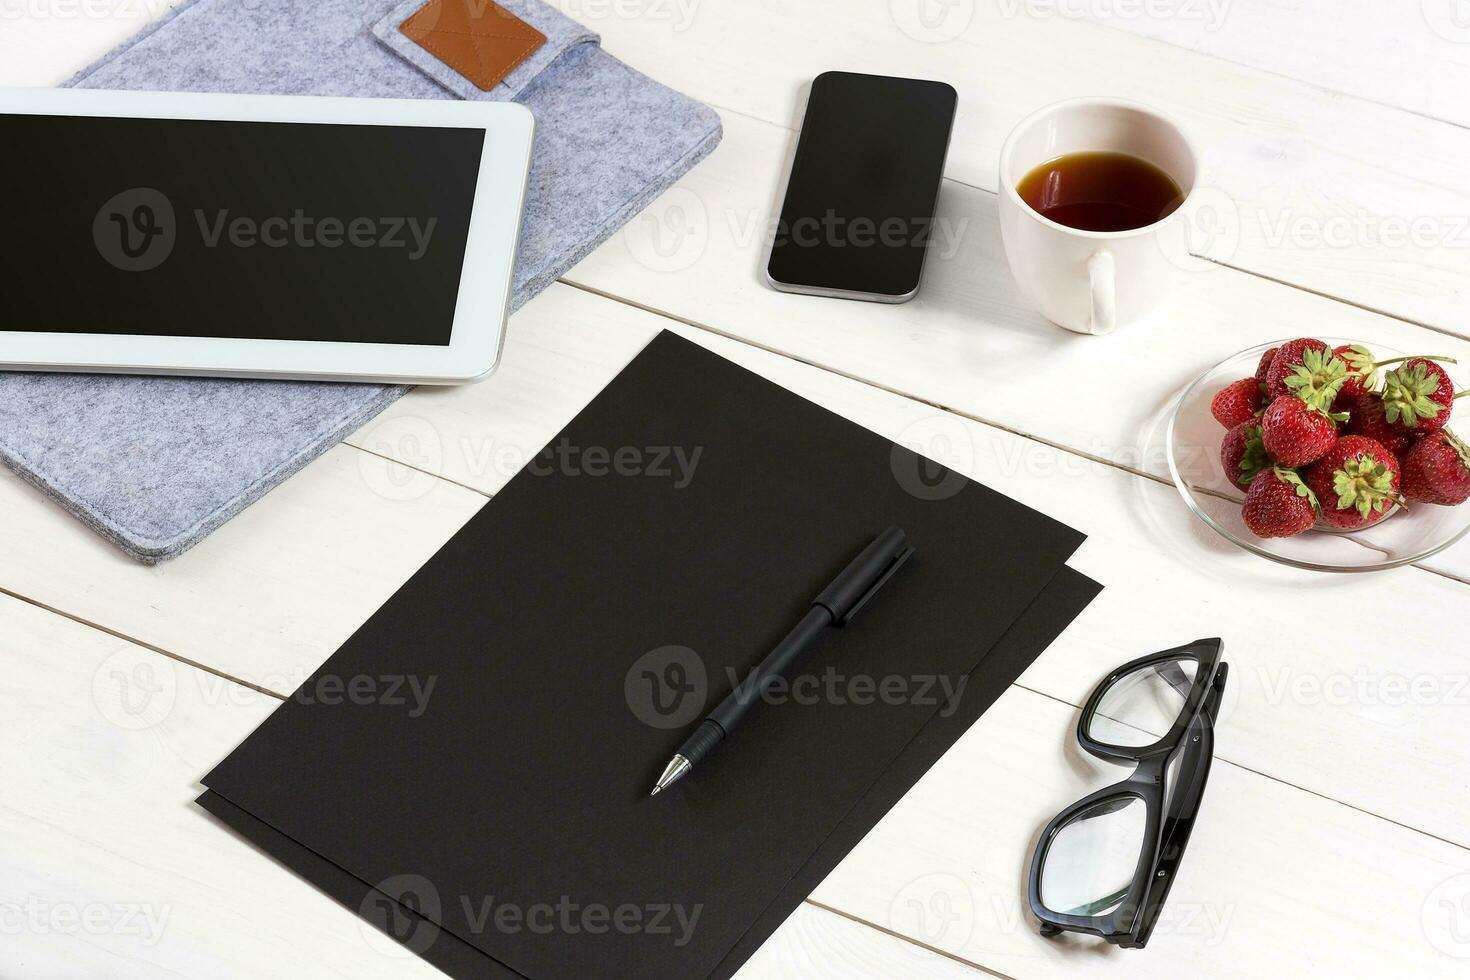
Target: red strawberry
column 1437, row 470
column 1265, row 365
column 1367, row 418
column 1309, row 370
column 1296, row 435
column 1279, row 504
column 1417, row 396
column 1236, row 402
column 1362, row 375
column 1287, row 359
column 1356, row 482
column 1242, row 454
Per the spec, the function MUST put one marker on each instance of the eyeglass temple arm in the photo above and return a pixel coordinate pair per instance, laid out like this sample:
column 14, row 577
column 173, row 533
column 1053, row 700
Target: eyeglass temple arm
column 1199, row 749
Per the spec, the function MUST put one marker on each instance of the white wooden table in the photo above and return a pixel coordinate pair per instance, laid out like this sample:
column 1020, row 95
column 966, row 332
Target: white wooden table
column 1334, row 835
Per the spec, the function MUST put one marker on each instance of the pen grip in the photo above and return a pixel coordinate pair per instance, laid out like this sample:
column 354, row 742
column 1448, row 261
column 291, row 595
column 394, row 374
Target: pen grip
column 702, row 741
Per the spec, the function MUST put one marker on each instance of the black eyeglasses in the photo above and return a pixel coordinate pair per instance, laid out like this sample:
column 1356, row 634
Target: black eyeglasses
column 1105, row 864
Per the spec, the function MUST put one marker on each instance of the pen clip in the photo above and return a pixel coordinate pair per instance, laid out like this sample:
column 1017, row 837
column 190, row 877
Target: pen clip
column 881, row 581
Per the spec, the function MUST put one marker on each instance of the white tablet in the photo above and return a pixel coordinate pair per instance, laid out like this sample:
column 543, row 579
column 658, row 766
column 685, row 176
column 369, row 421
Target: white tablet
column 258, row 236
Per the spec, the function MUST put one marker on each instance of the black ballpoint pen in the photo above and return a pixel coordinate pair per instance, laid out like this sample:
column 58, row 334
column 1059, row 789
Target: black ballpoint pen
column 834, row 607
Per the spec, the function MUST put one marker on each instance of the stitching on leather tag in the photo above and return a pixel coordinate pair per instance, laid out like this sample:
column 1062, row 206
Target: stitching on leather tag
column 480, row 39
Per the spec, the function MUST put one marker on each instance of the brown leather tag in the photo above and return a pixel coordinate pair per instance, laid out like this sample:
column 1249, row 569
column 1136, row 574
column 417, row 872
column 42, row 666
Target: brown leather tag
column 477, row 38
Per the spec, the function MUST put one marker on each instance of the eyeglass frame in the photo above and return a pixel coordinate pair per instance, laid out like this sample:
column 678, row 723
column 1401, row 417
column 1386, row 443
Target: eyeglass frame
column 1130, row 923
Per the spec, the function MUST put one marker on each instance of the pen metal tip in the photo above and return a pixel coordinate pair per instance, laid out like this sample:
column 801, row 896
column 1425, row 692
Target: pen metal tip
column 673, row 772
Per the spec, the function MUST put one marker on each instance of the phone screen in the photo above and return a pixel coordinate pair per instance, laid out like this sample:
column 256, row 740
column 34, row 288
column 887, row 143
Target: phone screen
column 859, row 207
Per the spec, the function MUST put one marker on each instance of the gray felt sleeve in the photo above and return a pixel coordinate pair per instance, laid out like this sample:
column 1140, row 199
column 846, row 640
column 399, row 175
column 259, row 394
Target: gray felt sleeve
column 156, row 464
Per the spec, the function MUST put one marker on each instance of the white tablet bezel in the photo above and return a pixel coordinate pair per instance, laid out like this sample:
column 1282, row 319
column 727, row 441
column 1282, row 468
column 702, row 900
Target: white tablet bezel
column 485, row 280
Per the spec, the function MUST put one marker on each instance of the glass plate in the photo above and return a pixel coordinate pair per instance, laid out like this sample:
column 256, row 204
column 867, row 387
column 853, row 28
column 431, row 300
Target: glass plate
column 1193, row 448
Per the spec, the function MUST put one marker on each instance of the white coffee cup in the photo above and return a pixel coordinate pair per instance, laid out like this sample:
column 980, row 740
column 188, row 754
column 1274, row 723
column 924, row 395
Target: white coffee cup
column 1093, row 281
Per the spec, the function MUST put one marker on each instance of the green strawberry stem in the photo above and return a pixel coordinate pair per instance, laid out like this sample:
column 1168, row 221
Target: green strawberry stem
column 1458, row 445
column 1294, row 480
column 1365, row 484
column 1410, row 357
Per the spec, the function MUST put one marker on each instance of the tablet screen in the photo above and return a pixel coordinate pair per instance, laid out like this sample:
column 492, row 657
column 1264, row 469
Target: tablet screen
column 251, row 230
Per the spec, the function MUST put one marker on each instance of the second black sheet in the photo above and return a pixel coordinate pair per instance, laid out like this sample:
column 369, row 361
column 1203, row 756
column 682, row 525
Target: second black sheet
column 575, row 629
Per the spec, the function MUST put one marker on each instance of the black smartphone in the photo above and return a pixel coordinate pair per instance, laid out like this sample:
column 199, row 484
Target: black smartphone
column 858, row 215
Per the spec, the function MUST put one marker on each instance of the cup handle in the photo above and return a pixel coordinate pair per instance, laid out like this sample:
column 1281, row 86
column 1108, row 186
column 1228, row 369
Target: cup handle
column 1104, row 314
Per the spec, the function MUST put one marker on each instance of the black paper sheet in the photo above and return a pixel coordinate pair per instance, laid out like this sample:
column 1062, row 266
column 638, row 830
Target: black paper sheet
column 1061, row 602
column 692, row 506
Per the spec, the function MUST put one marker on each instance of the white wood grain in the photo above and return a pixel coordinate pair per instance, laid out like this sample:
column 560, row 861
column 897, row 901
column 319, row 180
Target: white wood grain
column 1335, row 194
column 348, row 542
column 110, row 870
column 1268, row 887
column 818, row 944
column 45, row 42
column 1411, row 54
